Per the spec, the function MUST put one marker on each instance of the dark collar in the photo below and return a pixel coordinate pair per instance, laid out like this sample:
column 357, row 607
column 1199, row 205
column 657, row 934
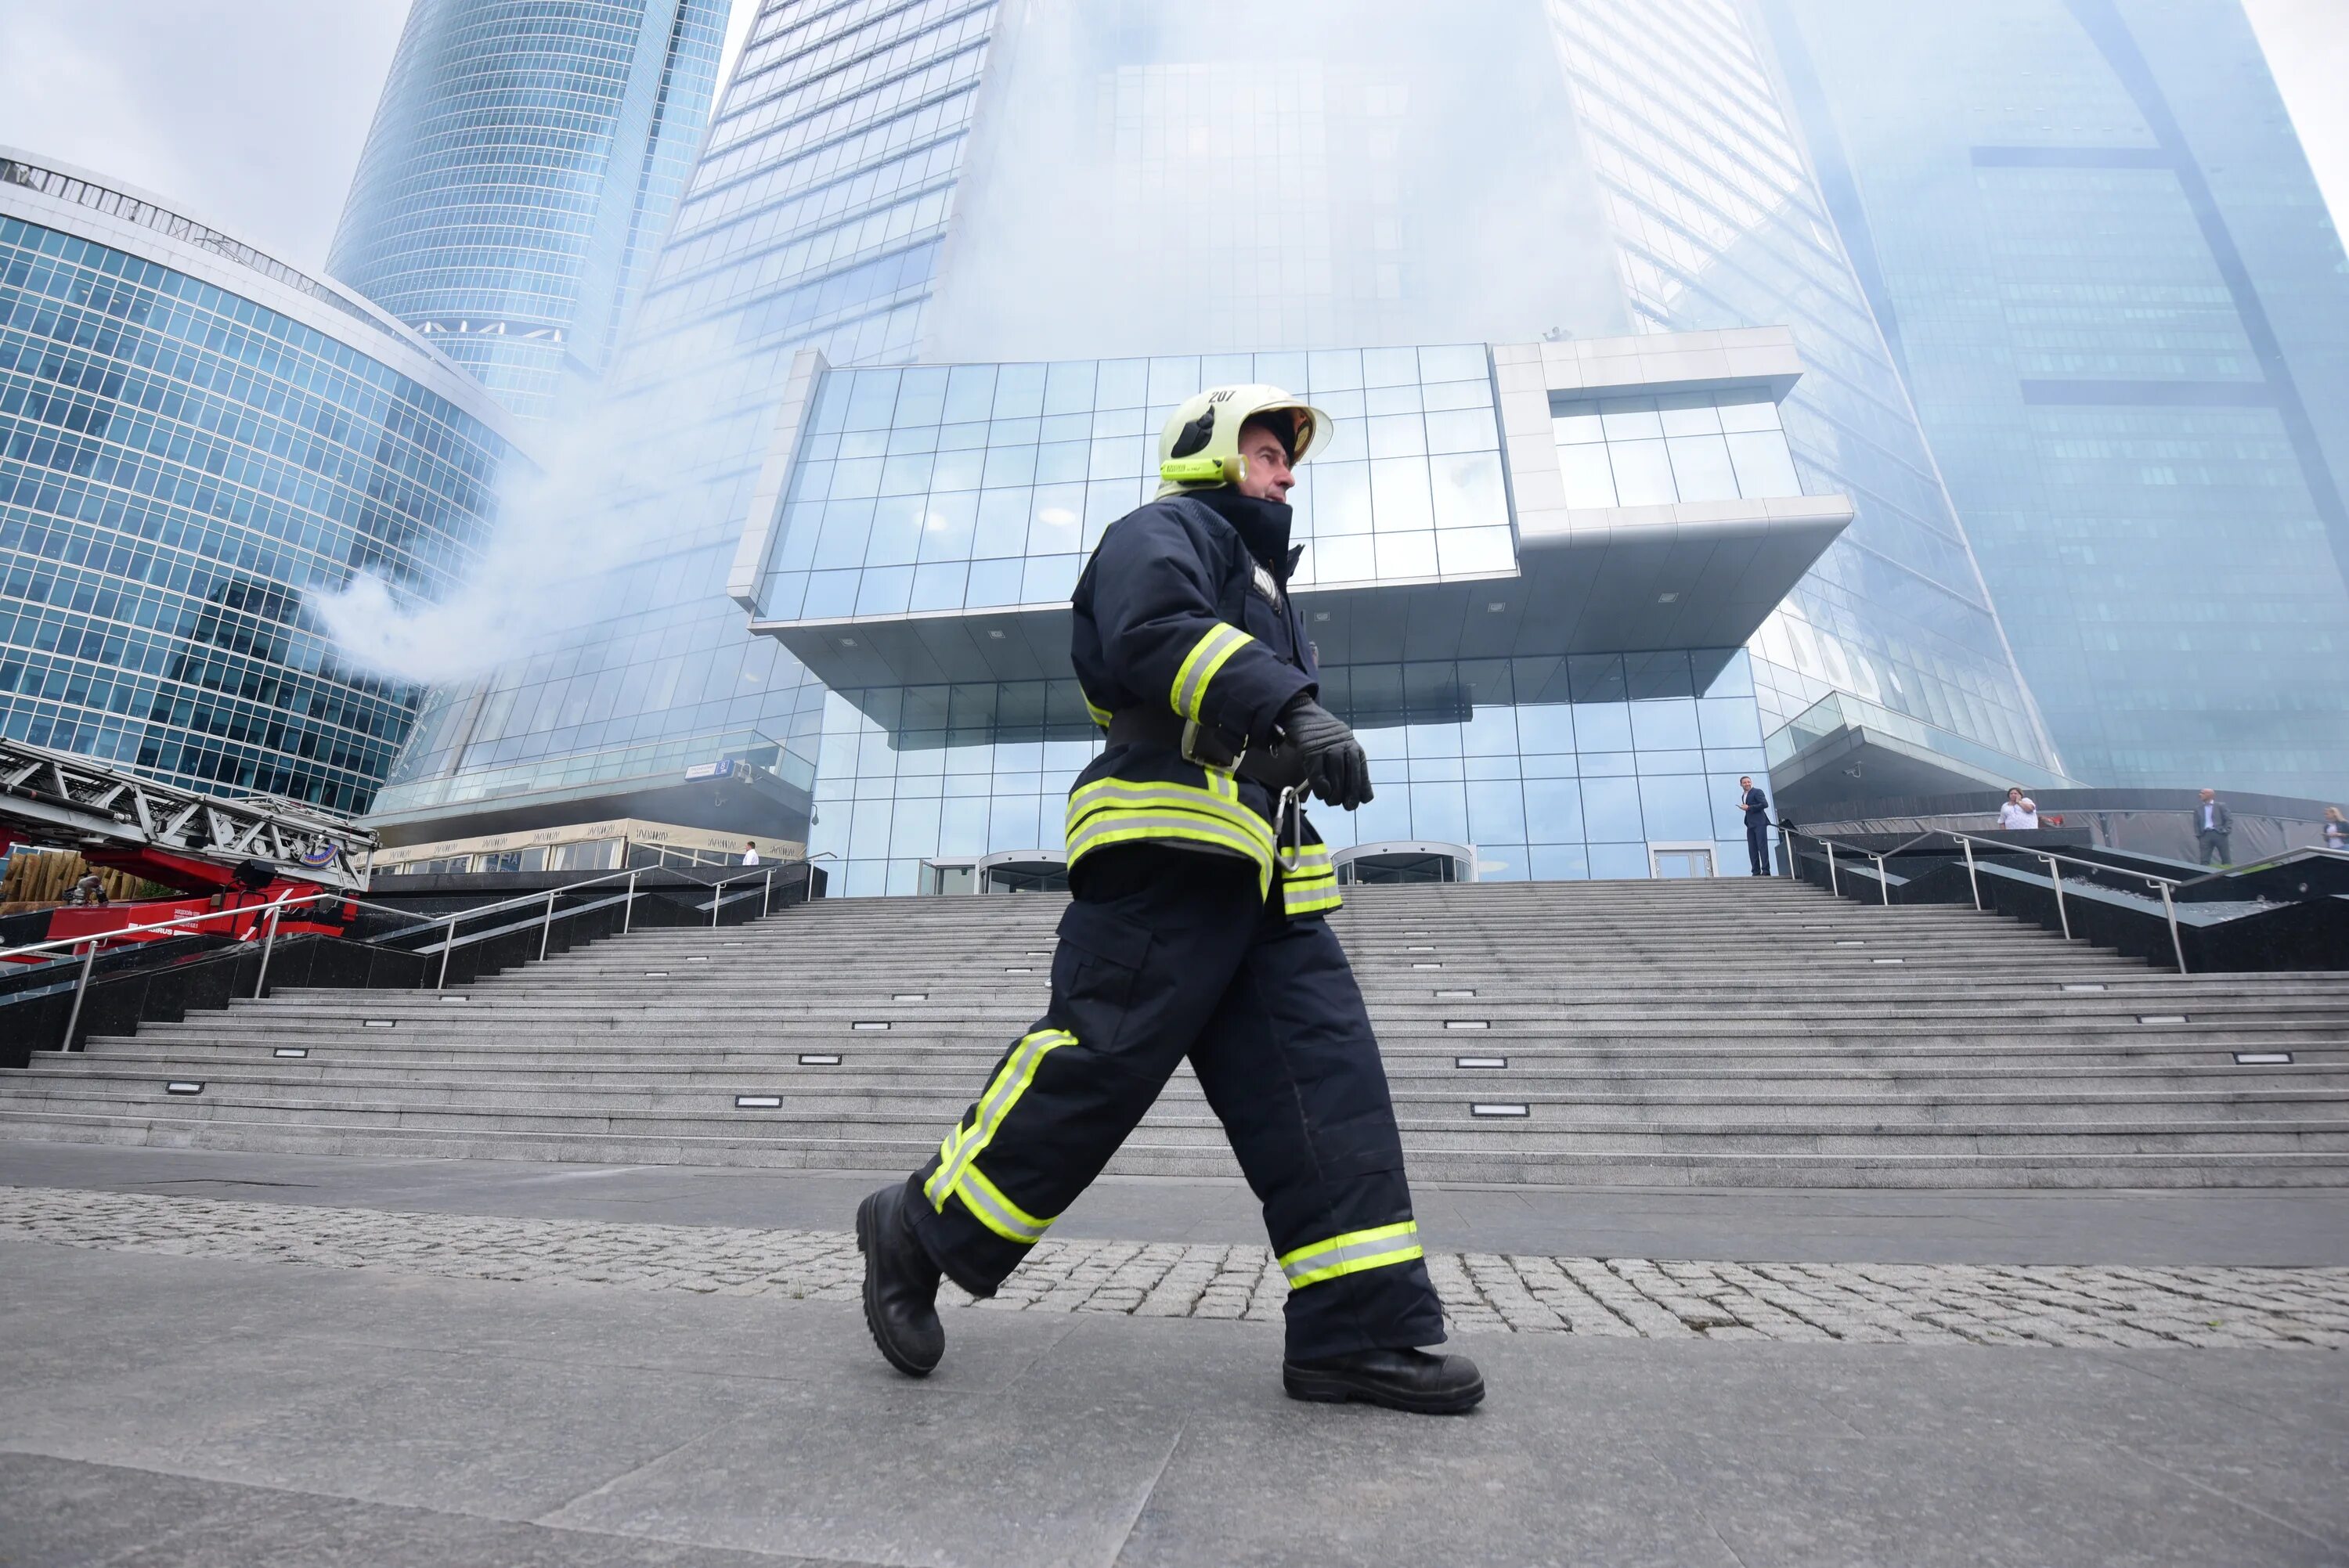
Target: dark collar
column 1262, row 525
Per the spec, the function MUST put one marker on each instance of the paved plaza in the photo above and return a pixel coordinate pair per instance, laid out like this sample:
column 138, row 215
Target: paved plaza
column 219, row 1359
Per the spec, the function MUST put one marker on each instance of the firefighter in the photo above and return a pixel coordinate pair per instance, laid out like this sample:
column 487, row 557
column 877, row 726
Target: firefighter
column 1198, row 929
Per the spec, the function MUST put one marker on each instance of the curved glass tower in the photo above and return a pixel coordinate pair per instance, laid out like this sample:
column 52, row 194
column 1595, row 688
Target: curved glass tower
column 524, row 163
column 194, row 438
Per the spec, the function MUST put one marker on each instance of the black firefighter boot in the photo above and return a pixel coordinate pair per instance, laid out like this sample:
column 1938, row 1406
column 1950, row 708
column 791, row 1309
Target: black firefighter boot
column 1413, row 1381
column 901, row 1284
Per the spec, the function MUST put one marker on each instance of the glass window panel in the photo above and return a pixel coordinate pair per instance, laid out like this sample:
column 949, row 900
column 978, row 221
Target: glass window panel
column 1346, row 442
column 921, row 397
column 1066, row 427
column 1469, row 552
column 1390, row 366
column 1397, row 436
column 1643, row 473
column 907, row 475
column 1173, row 378
column 1496, row 812
column 959, row 470
column 1059, row 520
column 970, row 393
column 1468, row 491
column 1553, row 810
column 1575, row 422
column 1115, row 458
column 885, row 591
column 1439, row 811
column 864, row 444
column 1342, row 560
column 1747, row 411
column 957, row 437
column 948, row 523
column 1105, row 502
column 1341, row 499
column 1012, row 823
column 802, row 526
column 1462, row 431
column 1069, row 387
column 1610, row 809
column 869, row 834
column 832, row 402
column 1452, row 362
column 786, row 591
column 1285, row 370
column 1763, row 466
column 914, row 830
column 847, row 527
column 1065, row 461
column 1400, row 501
column 1677, row 806
column 1558, row 862
column 1121, row 422
column 1602, row 727
column 1689, row 414
column 938, row 587
column 859, row 477
column 1009, row 465
column 994, row 582
column 1341, row 404
column 1589, row 477
column 1629, row 419
column 896, row 535
column 1051, row 579
column 1728, row 721
column 873, row 400
column 1014, row 432
column 1455, row 394
column 1618, row 862
column 1545, row 726
column 1406, row 554
column 830, row 594
column 1002, row 523
column 1390, row 400
column 1701, row 469
column 918, row 439
column 1730, row 672
column 1122, row 384
column 1334, row 370
column 1019, row 391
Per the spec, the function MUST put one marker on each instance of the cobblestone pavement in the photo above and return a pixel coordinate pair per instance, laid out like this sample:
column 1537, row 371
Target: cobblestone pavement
column 1483, row 1293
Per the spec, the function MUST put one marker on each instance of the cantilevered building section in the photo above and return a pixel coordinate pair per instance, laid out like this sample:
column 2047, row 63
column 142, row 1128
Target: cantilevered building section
column 525, row 164
column 2113, row 288
column 1459, row 233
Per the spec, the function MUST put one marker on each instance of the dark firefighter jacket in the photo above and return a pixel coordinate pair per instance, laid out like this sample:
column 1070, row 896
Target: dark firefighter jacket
column 1185, row 608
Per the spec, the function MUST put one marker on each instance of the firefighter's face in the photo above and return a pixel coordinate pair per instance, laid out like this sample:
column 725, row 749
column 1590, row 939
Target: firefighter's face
column 1268, row 474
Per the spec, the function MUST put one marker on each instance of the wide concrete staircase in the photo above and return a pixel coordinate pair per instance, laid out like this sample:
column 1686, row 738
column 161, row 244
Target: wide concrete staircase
column 1730, row 1032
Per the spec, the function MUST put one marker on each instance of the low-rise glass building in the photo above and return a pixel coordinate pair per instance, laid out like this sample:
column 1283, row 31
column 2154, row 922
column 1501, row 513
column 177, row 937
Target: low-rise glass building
column 1529, row 572
column 194, row 437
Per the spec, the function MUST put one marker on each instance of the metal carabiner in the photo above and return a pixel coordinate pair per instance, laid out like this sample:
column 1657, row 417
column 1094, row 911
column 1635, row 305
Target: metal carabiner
column 1290, row 806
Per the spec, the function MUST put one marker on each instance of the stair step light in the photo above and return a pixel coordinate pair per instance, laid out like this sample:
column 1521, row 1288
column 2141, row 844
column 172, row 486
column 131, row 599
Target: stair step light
column 911, row 997
column 1441, row 994
column 1480, row 1061
column 291, row 1051
column 757, row 1102
column 875, row 1025
column 1467, row 1023
column 818, row 1059
column 2093, row 986
column 2263, row 1058
column 1484, row 1109
column 179, row 1086
column 378, row 1022
column 2161, row 1018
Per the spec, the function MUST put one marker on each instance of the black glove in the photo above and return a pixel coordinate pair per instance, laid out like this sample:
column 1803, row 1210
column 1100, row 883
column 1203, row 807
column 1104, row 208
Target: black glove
column 1338, row 768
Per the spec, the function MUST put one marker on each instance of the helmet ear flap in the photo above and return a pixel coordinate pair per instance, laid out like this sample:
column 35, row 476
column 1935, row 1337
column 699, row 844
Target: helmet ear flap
column 1196, row 435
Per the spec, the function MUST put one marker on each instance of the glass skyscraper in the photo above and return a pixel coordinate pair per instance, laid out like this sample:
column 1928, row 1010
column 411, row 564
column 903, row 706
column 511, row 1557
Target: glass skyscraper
column 1105, row 184
column 524, row 163
column 2113, row 291
column 194, row 438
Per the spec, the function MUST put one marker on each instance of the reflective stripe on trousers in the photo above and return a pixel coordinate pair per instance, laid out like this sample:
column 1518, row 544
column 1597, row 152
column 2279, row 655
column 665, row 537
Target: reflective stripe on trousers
column 956, row 1173
column 1350, row 1253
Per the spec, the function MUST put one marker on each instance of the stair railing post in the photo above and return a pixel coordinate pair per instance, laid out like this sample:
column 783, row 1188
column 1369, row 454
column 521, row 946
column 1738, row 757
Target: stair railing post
column 717, row 901
column 767, row 899
column 2169, row 913
column 2055, row 880
column 1883, row 882
column 628, row 910
column 268, row 945
column 1834, row 886
column 546, row 926
column 81, row 989
column 447, row 942
column 1972, row 880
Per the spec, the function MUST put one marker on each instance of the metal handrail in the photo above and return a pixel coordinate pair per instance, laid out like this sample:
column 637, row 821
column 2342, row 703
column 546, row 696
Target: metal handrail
column 2161, row 884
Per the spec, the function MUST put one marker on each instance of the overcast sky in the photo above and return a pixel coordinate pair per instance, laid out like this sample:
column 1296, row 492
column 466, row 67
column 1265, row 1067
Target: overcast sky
column 250, row 113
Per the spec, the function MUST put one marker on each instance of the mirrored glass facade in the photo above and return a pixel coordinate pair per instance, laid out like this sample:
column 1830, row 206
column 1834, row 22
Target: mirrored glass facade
column 2110, row 280
column 525, row 161
column 1666, row 191
column 192, row 438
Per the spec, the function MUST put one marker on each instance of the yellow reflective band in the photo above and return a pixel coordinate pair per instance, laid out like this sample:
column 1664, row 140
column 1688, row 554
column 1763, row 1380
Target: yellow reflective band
column 1223, row 804
column 1351, row 1252
column 1123, row 828
column 998, row 1213
column 1100, row 714
column 1298, row 899
column 962, row 1145
column 1219, row 643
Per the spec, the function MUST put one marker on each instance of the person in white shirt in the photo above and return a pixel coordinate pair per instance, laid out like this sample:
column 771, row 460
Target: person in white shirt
column 2017, row 813
column 751, row 854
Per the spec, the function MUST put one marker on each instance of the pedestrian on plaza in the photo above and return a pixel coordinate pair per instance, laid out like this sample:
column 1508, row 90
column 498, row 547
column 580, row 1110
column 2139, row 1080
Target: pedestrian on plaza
column 750, row 853
column 1756, row 807
column 2336, row 830
column 2212, row 823
column 2018, row 815
column 1197, row 930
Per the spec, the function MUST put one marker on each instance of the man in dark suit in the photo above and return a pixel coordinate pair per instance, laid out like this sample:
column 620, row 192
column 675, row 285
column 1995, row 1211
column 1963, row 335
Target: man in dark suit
column 1756, row 807
column 2212, row 823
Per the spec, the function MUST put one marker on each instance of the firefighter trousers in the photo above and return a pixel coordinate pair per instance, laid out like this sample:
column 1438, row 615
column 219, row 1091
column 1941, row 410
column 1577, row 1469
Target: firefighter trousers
column 1165, row 954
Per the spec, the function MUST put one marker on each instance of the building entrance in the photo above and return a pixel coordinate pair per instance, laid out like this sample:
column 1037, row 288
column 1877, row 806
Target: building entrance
column 1401, row 860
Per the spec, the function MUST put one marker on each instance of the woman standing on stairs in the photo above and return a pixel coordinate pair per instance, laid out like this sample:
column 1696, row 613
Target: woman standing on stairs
column 1197, row 930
